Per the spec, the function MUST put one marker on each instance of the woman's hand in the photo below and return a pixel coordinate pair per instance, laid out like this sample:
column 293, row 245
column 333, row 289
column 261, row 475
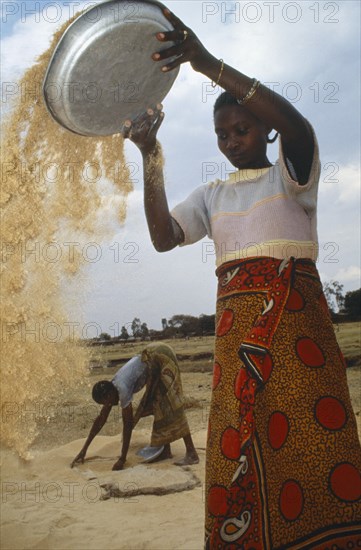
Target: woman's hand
column 188, row 47
column 79, row 458
column 142, row 131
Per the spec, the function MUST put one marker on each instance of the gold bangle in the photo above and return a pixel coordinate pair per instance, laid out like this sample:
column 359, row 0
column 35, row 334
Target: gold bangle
column 255, row 85
column 214, row 84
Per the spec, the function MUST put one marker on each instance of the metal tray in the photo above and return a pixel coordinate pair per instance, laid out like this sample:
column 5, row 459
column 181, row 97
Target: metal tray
column 101, row 71
column 150, row 453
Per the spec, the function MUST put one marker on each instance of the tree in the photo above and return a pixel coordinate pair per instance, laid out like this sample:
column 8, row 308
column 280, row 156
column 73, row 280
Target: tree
column 136, row 327
column 207, row 323
column 353, row 303
column 104, row 336
column 124, row 335
column 333, row 294
column 144, row 330
column 185, row 324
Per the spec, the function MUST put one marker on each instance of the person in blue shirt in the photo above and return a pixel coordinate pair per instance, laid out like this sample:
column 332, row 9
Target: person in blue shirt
column 157, row 370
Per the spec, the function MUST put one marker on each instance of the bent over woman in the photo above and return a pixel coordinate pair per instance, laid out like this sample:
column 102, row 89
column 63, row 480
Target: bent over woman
column 283, row 456
column 156, row 370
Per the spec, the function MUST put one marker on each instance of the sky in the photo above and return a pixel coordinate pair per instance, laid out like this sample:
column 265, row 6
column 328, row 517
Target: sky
column 308, row 52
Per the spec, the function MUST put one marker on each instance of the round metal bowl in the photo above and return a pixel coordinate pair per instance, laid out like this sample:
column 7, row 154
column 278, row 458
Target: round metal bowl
column 101, row 72
column 150, row 453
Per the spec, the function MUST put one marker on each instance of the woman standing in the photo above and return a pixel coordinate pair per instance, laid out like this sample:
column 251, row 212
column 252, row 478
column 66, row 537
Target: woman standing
column 283, row 456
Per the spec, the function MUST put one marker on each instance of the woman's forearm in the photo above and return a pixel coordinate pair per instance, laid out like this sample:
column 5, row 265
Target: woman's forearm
column 271, row 108
column 162, row 229
column 274, row 110
column 97, row 426
column 127, row 415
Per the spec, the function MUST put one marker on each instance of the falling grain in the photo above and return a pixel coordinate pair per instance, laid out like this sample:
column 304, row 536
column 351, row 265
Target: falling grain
column 54, row 184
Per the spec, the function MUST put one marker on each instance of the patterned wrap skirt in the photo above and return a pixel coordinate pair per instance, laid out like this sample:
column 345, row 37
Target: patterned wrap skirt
column 163, row 396
column 283, row 456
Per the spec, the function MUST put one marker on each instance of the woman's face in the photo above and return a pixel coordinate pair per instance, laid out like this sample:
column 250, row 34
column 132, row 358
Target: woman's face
column 242, row 137
column 111, row 398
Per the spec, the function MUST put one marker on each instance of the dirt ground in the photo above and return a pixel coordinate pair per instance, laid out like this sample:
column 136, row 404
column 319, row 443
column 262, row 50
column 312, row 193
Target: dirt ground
column 46, row 505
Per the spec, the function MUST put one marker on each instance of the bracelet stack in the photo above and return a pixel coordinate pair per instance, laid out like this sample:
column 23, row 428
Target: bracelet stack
column 214, row 84
column 255, row 85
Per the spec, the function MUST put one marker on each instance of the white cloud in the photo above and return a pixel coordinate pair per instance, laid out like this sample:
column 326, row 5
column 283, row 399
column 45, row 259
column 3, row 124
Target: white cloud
column 350, row 274
column 349, row 184
column 342, row 182
column 28, row 40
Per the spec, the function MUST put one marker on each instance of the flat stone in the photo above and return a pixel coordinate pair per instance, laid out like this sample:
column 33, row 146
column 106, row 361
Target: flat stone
column 147, row 480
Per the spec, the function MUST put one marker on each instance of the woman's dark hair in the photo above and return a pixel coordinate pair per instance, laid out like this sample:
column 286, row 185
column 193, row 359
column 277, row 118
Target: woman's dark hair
column 224, row 99
column 228, row 99
column 101, row 389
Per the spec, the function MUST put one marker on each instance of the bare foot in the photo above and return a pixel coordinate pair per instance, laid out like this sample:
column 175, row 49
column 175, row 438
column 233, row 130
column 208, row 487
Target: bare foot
column 188, row 460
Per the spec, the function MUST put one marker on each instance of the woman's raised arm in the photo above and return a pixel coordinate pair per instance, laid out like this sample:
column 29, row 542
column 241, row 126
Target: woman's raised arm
column 164, row 231
column 271, row 108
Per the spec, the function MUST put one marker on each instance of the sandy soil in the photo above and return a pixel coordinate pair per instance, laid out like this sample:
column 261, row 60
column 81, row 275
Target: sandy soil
column 46, row 505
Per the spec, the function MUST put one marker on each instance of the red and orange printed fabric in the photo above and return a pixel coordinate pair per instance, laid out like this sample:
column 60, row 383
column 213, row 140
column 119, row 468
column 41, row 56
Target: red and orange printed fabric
column 283, row 455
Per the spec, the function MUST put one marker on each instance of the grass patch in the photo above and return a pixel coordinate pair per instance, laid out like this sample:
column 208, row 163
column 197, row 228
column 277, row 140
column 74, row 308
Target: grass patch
column 349, row 339
column 196, row 354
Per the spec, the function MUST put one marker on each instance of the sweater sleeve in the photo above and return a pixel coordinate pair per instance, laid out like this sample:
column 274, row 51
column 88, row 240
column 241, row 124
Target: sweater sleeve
column 192, row 216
